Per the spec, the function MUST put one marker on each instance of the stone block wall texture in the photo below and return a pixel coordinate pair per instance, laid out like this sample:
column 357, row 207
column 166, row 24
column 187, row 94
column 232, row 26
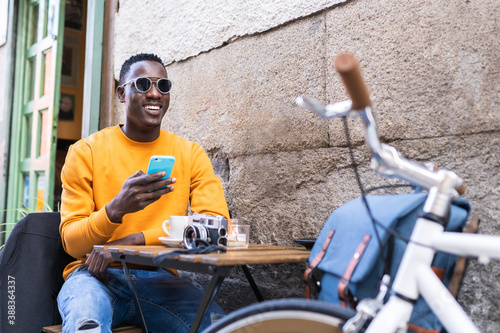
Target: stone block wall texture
column 432, row 68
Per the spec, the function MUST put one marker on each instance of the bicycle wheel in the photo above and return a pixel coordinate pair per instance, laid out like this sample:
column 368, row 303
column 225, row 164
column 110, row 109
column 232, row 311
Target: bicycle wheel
column 284, row 316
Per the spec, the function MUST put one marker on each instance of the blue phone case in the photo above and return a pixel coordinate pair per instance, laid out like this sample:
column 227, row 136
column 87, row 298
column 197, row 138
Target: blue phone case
column 161, row 163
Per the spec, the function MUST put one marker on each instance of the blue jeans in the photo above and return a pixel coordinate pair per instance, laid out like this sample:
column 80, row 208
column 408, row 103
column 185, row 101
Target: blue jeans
column 169, row 303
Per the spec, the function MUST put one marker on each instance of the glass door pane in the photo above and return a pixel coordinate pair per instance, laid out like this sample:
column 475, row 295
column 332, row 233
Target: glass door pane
column 47, row 84
column 31, row 78
column 26, row 189
column 40, row 191
column 33, row 24
column 44, row 133
column 27, row 130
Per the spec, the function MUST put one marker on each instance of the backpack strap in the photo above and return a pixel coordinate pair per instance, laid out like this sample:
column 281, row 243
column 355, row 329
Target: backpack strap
column 418, row 329
column 315, row 262
column 440, row 272
column 345, row 295
column 461, row 264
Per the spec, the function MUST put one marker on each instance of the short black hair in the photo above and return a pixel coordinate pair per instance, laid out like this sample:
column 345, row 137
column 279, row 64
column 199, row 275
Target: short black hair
column 136, row 58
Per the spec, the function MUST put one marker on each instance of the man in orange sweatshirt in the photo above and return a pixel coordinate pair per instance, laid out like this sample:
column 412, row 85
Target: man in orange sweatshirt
column 108, row 198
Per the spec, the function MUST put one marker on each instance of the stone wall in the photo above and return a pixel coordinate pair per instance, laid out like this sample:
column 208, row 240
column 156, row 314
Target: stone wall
column 432, row 68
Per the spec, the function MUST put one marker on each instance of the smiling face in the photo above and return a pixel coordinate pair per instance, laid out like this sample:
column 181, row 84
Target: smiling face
column 144, row 111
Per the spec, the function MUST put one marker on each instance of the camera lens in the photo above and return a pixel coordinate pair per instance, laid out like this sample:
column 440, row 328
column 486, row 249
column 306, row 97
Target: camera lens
column 192, row 233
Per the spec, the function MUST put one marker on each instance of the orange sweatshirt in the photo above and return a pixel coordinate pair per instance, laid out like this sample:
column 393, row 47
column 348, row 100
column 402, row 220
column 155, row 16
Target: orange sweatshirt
column 96, row 168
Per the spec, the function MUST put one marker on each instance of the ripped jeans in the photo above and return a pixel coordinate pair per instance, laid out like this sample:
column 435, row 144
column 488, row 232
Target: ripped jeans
column 169, row 303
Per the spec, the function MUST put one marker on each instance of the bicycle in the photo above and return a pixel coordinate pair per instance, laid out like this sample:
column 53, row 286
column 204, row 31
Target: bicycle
column 414, row 276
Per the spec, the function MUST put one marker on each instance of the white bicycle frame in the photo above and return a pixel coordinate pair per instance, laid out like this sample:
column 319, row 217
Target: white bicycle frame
column 415, row 276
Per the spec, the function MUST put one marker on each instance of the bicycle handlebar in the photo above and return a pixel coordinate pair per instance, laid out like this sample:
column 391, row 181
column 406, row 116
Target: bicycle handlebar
column 386, row 160
column 348, row 68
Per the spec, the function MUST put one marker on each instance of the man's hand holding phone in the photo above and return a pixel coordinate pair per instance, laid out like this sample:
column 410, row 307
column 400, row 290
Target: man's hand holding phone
column 140, row 190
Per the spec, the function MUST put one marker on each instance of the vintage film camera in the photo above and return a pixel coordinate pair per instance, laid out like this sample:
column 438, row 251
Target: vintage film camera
column 205, row 230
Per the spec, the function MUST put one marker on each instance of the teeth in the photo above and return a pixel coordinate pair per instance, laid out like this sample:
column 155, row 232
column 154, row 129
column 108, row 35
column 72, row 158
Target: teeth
column 152, row 107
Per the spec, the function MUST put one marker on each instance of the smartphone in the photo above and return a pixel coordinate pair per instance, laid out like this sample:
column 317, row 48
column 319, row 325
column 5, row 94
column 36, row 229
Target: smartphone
column 161, row 163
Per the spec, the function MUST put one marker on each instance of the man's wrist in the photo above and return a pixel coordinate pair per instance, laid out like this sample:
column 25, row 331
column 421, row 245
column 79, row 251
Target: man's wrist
column 140, row 239
column 112, row 215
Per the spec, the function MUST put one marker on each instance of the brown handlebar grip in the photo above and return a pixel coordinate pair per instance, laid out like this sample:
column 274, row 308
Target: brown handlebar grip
column 348, row 68
column 461, row 189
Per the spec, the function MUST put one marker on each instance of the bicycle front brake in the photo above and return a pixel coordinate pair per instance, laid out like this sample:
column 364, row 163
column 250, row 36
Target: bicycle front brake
column 367, row 308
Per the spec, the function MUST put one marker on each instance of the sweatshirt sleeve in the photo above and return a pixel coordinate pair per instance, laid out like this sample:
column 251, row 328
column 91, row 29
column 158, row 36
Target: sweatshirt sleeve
column 151, row 236
column 81, row 225
column 207, row 194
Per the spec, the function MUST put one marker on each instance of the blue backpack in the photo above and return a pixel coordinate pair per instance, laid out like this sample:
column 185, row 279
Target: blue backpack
column 351, row 267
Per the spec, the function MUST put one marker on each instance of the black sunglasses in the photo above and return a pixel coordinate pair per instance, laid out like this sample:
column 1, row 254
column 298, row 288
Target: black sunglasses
column 144, row 84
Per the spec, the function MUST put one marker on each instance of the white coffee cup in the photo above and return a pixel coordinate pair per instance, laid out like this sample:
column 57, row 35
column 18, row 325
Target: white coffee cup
column 174, row 227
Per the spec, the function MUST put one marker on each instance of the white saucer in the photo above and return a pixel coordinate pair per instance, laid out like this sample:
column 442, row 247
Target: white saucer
column 171, row 242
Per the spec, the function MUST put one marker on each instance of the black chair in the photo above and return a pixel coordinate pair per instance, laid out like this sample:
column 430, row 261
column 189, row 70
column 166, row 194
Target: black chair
column 31, row 266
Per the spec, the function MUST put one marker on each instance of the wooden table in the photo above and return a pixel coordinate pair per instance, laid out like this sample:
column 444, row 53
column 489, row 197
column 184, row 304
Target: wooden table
column 219, row 265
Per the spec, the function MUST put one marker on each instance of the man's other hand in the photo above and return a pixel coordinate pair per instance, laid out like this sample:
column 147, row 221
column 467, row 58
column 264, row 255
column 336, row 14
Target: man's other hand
column 98, row 261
